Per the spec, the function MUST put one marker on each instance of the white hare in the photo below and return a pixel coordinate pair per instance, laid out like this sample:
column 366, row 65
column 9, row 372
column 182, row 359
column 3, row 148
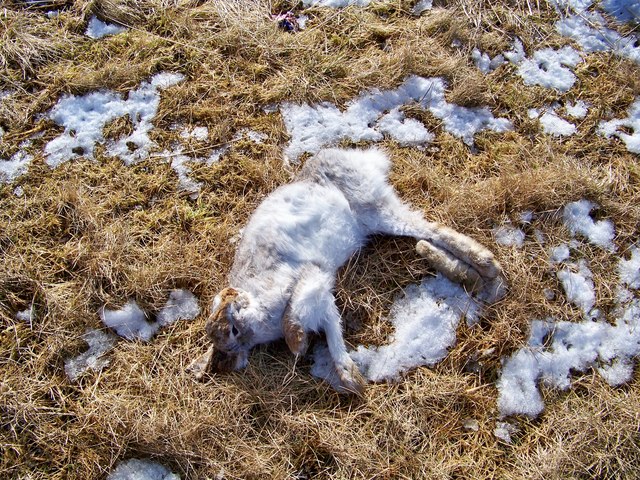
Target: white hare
column 285, row 267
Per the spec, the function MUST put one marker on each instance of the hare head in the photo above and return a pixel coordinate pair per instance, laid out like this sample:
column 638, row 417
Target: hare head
column 229, row 327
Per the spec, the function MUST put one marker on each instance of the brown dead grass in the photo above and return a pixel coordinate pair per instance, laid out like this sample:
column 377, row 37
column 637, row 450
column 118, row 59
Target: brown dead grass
column 89, row 234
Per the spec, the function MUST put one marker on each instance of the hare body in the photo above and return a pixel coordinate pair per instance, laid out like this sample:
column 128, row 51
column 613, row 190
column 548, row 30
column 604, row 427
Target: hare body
column 285, row 266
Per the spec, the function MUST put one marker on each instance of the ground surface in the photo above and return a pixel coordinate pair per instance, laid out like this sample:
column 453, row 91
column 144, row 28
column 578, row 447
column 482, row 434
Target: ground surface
column 101, row 224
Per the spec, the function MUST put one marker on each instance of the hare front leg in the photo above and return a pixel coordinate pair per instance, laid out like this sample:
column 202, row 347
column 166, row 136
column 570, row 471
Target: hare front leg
column 312, row 307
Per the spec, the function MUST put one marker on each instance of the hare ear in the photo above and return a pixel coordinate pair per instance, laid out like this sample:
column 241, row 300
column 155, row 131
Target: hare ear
column 295, row 336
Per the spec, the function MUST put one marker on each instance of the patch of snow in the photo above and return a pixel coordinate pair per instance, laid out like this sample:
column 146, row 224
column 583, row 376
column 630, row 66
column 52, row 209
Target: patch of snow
column 508, row 236
column 622, row 10
column 612, row 128
column 313, row 127
column 589, row 30
column 425, row 321
column 129, row 322
column 182, row 305
column 571, row 5
column 15, row 166
column 98, row 29
column 549, row 68
column 504, row 430
column 471, row 424
column 574, row 347
column 578, row 287
column 85, row 117
column 198, row 133
column 100, row 343
column 551, row 123
column 26, row 315
column 251, row 135
column 629, row 270
column 406, row 131
column 526, row 217
column 135, row 469
column 578, row 221
column 559, row 254
column 516, row 55
column 421, row 6
column 484, row 63
column 577, row 110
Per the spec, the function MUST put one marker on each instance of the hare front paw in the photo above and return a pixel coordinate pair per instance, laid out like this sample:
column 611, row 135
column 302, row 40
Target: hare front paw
column 350, row 377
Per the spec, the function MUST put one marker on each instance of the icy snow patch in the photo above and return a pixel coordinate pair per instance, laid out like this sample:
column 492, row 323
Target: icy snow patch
column 508, row 236
column 484, row 63
column 84, row 118
column 182, row 305
column 16, row 166
column 622, row 10
column 26, row 315
column 198, row 133
column 612, row 127
column 629, row 270
column 504, row 430
column 372, row 114
column 559, row 254
column 589, row 30
column 98, row 29
column 130, row 321
column 577, row 110
column 516, row 55
column 578, row 287
column 551, row 123
column 135, row 469
column 575, row 5
column 549, row 68
column 573, row 347
column 100, row 343
column 578, row 221
column 425, row 322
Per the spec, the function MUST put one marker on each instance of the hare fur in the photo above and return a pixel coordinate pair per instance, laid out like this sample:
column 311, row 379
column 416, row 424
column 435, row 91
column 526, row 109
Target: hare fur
column 284, row 271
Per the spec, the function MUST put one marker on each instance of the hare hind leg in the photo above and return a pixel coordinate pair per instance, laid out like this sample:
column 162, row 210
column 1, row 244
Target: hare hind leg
column 394, row 217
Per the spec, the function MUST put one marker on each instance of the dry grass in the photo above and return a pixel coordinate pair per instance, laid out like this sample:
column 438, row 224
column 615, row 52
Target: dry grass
column 94, row 233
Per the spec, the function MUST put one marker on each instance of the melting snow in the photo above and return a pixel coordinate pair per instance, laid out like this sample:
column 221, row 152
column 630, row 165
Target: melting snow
column 612, row 128
column 577, row 110
column 16, row 166
column 100, row 343
column 622, row 10
column 551, row 123
column 508, row 236
column 85, row 117
column 549, row 68
column 369, row 116
column 578, row 221
column 98, row 29
column 629, row 270
column 578, row 287
column 484, row 63
column 425, row 321
column 589, row 30
column 559, row 254
column 135, row 469
column 198, row 133
column 422, row 6
column 131, row 323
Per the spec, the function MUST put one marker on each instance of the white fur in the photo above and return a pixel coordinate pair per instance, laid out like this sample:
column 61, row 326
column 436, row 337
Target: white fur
column 303, row 232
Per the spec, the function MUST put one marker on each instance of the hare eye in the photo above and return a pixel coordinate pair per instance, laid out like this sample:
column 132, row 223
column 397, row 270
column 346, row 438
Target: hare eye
column 234, row 330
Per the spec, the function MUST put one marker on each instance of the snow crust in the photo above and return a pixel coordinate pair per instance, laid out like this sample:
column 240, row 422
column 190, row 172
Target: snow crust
column 589, row 30
column 98, row 29
column 131, row 321
column 549, row 68
column 612, row 128
column 100, row 343
column 578, row 221
column 484, row 62
column 551, row 122
column 135, row 469
column 425, row 321
column 629, row 270
column 15, row 166
column 84, row 118
column 508, row 236
column 376, row 113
